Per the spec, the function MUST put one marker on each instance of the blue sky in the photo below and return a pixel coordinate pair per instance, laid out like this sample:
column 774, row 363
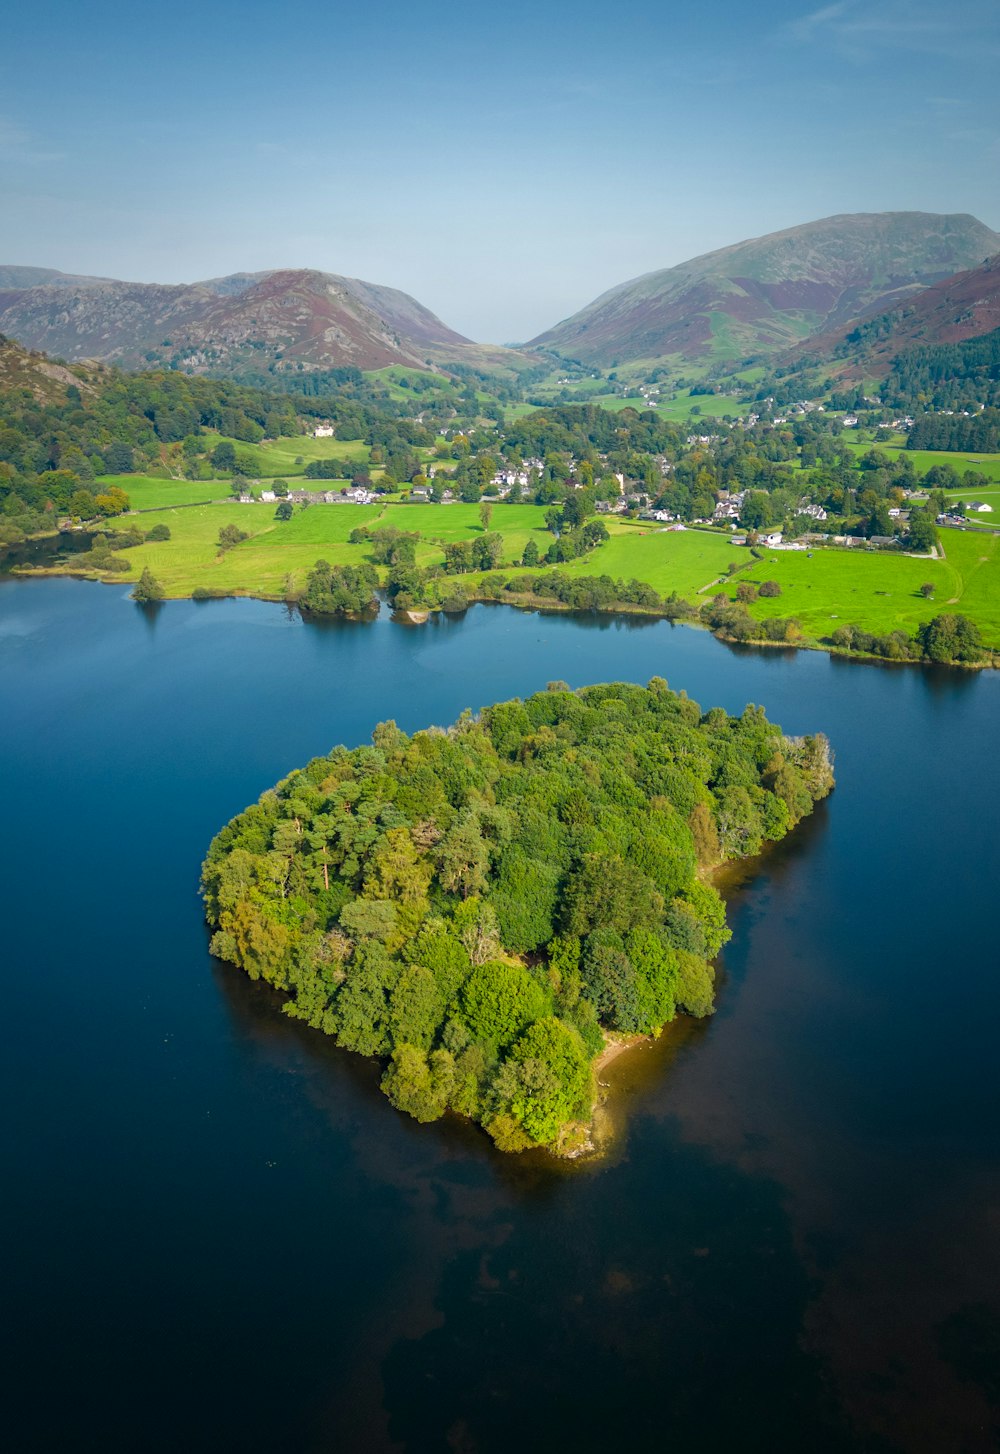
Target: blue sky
column 504, row 164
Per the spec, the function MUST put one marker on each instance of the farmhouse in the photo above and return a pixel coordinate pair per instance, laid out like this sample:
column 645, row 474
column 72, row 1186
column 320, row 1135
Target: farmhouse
column 323, row 431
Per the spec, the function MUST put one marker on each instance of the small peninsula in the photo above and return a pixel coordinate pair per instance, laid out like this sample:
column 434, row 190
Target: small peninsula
column 479, row 907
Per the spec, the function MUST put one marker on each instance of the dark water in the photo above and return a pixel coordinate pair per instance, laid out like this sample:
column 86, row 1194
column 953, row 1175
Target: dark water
column 47, row 550
column 220, row 1236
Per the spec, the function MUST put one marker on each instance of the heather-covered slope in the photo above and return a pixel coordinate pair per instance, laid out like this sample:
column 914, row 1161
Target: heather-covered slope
column 284, row 318
column 771, row 292
column 961, row 307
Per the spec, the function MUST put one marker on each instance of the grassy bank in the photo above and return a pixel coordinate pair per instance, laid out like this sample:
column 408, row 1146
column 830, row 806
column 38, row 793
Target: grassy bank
column 822, row 589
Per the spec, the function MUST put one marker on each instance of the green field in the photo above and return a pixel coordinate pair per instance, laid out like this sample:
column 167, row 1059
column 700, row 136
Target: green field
column 831, row 588
column 710, row 406
column 147, row 493
column 276, row 458
column 259, row 566
column 669, row 560
column 924, row 459
column 191, row 558
column 516, row 523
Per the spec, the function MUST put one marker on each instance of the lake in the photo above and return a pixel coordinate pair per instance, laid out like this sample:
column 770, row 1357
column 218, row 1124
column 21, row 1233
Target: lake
column 222, row 1237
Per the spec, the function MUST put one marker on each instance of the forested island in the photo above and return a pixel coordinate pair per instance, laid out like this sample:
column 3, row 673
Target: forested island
column 480, row 907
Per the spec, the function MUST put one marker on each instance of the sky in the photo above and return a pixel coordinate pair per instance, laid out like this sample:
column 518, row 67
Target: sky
column 504, row 164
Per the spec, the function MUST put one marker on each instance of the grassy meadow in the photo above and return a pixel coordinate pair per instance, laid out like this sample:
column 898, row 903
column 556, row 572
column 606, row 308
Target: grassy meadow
column 831, row 588
column 288, row 456
column 684, row 561
column 146, row 492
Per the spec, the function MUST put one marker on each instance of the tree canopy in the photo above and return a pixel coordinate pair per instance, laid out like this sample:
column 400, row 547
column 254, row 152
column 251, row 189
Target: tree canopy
column 477, row 906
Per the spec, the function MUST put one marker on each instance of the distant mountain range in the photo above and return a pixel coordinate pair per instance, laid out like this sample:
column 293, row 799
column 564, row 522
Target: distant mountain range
column 247, row 321
column 768, row 294
column 763, row 298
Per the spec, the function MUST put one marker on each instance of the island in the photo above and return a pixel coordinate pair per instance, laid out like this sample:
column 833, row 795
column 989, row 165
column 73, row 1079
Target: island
column 482, row 907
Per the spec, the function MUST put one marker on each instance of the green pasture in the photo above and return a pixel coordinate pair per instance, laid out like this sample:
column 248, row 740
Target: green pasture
column 881, row 592
column 276, row 458
column 147, row 493
column 711, row 406
column 669, row 560
column 447, row 523
column 259, row 565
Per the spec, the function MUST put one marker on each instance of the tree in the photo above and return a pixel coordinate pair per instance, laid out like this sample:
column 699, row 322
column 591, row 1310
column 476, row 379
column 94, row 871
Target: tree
column 927, row 590
column 499, row 1000
column 530, row 556
column 147, row 588
column 922, row 531
column 231, row 535
column 462, row 858
column 284, row 510
column 950, row 638
column 485, row 514
column 224, row 456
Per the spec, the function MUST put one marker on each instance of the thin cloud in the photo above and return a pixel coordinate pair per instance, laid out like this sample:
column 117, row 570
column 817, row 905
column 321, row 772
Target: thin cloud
column 859, row 31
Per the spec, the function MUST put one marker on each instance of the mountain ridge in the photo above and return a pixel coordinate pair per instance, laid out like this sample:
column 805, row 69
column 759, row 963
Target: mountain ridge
column 767, row 294
column 279, row 319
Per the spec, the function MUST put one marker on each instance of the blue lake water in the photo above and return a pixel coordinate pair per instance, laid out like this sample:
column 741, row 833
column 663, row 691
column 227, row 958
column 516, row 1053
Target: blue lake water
column 221, row 1237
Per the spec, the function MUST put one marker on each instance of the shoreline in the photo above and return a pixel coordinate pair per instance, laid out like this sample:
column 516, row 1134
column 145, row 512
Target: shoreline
column 420, row 616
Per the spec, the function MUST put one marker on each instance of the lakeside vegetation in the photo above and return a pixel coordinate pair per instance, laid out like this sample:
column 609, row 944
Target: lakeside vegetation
column 480, row 907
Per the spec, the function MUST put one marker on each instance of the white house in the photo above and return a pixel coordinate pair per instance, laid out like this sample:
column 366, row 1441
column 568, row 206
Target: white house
column 323, row 431
column 267, row 496
column 980, row 507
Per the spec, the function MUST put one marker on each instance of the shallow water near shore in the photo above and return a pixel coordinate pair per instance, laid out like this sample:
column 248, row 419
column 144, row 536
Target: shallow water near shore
column 225, row 1238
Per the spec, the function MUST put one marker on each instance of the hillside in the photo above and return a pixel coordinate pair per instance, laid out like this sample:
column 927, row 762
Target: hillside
column 284, row 319
column 46, row 381
column 961, row 307
column 769, row 293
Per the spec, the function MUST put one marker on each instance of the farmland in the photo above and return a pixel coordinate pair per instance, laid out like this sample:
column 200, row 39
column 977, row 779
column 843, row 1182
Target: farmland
column 289, row 455
column 148, row 493
column 821, row 589
column 825, row 589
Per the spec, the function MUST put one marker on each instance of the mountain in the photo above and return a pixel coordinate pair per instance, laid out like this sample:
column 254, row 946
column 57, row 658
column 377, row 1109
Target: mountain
column 767, row 294
column 14, row 277
column 282, row 319
column 961, row 307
